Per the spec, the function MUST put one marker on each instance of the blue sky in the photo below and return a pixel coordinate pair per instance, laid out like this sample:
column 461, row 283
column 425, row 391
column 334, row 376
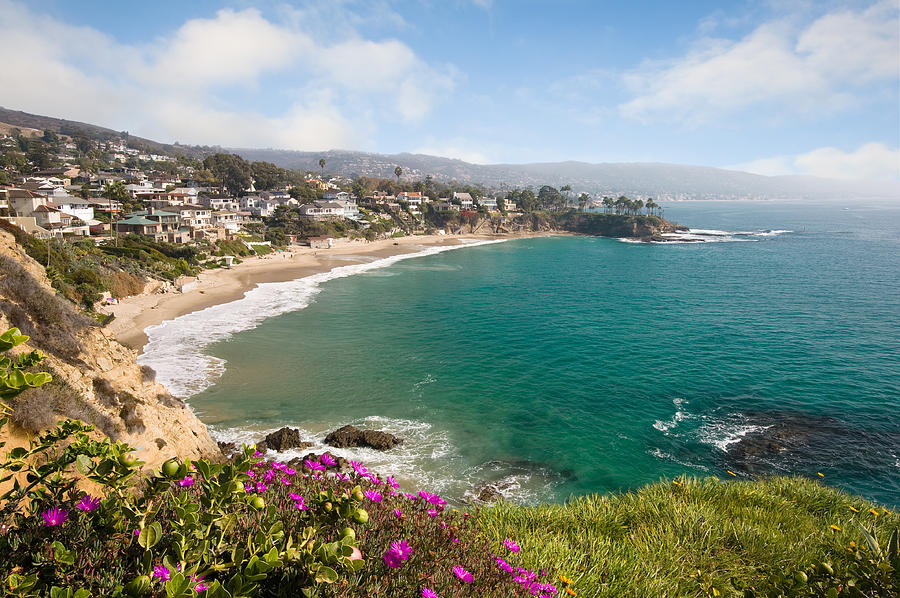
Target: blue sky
column 768, row 86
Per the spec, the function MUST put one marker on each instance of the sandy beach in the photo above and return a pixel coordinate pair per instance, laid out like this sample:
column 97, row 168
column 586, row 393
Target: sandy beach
column 134, row 314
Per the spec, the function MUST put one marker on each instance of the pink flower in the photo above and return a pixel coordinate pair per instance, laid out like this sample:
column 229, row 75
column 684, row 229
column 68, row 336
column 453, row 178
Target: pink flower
column 327, row 459
column 358, row 468
column 463, row 574
column 55, row 516
column 373, row 495
column 293, row 496
column 314, row 465
column 398, row 513
column 393, row 483
column 290, row 471
column 260, row 487
column 433, row 513
column 398, row 552
column 512, row 546
column 161, row 572
column 186, row 482
column 88, row 503
column 428, row 593
column 356, row 555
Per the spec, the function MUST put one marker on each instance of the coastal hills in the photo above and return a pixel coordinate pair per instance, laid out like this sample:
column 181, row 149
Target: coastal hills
column 663, row 181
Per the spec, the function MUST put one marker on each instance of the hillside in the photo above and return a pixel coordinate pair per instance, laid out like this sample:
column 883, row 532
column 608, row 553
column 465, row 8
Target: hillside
column 666, row 181
column 96, row 379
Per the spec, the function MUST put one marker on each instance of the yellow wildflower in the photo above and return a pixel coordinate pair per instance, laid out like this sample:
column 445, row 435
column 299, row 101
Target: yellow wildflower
column 821, row 475
column 874, row 512
column 570, row 591
column 732, row 473
column 835, row 528
column 855, row 510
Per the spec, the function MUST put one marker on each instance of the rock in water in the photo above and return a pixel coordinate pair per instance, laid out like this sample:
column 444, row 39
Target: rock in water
column 351, row 436
column 284, row 439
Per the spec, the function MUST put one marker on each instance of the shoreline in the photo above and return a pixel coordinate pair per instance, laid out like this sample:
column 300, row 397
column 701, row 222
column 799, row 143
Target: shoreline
column 134, row 314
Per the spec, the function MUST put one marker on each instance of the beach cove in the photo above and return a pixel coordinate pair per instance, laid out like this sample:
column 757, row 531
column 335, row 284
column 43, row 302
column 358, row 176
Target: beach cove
column 133, row 315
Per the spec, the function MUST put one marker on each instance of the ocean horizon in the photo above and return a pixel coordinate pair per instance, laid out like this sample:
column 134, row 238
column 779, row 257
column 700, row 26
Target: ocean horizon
column 761, row 342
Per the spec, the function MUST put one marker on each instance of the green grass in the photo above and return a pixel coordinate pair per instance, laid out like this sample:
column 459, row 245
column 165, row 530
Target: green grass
column 686, row 537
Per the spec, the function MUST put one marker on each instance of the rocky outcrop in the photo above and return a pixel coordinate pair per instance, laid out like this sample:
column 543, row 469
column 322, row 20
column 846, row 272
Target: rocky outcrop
column 282, row 440
column 351, row 436
column 617, row 225
column 96, row 379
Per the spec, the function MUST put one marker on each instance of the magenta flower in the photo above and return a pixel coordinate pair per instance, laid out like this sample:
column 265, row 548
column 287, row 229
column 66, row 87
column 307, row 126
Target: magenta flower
column 373, row 495
column 186, row 482
column 393, row 483
column 55, row 516
column 201, row 587
column 398, row 552
column 433, row 513
column 463, row 574
column 260, row 487
column 398, row 513
column 512, row 546
column 504, row 565
column 269, row 476
column 161, row 572
column 88, row 503
column 290, row 471
column 358, row 468
column 327, row 459
column 257, row 454
column 428, row 593
column 314, row 465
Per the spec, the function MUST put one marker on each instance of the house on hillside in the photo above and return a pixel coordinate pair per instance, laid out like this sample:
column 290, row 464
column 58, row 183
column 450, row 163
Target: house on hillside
column 464, row 200
column 321, row 211
column 413, row 198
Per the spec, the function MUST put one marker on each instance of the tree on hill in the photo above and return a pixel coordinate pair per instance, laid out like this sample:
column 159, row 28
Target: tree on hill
column 232, row 171
column 583, row 201
column 398, row 171
column 267, row 176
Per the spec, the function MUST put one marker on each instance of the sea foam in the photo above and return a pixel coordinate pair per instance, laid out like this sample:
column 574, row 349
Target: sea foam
column 175, row 347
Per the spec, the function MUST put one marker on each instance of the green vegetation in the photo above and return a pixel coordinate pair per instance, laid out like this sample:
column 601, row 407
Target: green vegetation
column 690, row 537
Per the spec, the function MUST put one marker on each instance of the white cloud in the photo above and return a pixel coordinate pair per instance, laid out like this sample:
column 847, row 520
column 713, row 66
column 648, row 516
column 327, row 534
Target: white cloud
column 186, row 84
column 869, row 162
column 820, row 68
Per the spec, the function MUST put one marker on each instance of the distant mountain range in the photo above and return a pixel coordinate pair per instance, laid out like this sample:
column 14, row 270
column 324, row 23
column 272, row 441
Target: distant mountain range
column 665, row 181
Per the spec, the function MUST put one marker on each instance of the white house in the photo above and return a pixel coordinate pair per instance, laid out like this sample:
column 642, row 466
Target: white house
column 488, row 203
column 465, row 200
column 322, row 210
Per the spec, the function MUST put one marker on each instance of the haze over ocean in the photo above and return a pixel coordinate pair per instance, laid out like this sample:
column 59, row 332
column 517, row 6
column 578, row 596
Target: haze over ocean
column 571, row 365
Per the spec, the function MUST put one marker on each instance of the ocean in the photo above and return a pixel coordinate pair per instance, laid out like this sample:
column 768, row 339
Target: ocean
column 561, row 366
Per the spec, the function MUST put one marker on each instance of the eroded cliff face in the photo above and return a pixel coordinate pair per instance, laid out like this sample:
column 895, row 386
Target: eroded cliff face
column 96, row 379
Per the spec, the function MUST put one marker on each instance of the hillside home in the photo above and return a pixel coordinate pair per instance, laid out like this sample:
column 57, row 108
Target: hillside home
column 227, row 220
column 489, row 203
column 195, row 217
column 335, row 196
column 413, row 198
column 23, row 202
column 138, row 225
column 465, row 200
column 321, row 211
column 509, row 206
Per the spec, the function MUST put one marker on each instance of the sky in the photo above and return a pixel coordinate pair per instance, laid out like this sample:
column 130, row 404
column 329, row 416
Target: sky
column 766, row 86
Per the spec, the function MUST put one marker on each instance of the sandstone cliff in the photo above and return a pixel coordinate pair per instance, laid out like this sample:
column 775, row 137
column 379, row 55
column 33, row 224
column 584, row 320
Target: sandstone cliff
column 96, row 379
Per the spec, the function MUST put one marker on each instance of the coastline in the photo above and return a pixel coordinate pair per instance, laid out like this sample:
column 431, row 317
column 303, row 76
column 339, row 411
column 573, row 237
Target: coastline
column 134, row 314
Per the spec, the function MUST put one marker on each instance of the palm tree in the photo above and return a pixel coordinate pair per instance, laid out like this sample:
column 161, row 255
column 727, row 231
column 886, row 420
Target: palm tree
column 322, row 164
column 583, row 200
column 651, row 205
column 608, row 204
column 565, row 189
column 397, row 172
column 637, row 206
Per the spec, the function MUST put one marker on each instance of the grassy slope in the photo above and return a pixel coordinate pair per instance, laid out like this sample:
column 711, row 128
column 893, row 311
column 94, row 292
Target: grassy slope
column 650, row 542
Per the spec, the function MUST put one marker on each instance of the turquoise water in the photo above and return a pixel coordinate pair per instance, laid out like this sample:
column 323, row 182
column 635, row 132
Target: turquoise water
column 568, row 365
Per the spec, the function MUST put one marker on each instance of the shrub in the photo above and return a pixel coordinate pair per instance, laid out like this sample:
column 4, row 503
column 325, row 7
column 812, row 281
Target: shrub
column 60, row 323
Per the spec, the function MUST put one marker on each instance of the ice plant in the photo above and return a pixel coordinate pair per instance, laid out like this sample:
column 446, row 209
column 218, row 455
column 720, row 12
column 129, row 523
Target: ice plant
column 463, row 575
column 428, row 593
column 88, row 503
column 162, row 572
column 512, row 546
column 373, row 495
column 55, row 516
column 398, row 552
column 327, row 459
column 314, row 465
column 186, row 482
